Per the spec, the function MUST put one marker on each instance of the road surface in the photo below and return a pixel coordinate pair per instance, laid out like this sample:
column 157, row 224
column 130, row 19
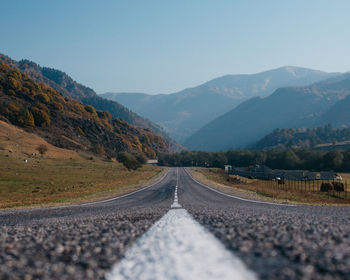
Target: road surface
column 147, row 235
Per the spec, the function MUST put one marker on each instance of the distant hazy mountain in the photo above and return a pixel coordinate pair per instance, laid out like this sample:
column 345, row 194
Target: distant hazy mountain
column 184, row 112
column 65, row 85
column 285, row 108
column 339, row 114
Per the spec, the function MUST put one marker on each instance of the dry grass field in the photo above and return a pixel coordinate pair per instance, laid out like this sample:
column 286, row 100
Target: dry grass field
column 23, row 143
column 296, row 192
column 60, row 176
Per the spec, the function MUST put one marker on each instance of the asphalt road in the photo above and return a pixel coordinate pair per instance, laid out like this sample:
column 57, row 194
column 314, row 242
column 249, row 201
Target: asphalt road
column 84, row 241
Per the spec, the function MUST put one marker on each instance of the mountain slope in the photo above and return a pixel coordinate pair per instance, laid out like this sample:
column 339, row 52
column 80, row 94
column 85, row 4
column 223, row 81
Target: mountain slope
column 285, row 108
column 339, row 114
column 185, row 112
column 65, row 85
column 66, row 123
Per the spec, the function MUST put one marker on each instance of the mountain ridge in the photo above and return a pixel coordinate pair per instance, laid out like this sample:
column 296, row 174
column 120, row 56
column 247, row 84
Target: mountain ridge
column 68, row 87
column 184, row 112
column 286, row 108
column 67, row 123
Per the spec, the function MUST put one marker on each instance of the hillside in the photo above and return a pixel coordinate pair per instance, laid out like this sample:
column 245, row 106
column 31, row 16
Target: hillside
column 310, row 138
column 17, row 141
column 66, row 123
column 65, row 85
column 183, row 113
column 339, row 114
column 285, row 108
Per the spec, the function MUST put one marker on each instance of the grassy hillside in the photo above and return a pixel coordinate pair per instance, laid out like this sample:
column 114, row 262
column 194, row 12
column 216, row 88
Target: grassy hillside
column 66, row 123
column 56, row 180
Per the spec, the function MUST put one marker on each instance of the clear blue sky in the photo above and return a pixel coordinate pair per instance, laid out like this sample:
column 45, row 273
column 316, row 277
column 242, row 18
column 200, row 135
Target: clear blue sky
column 164, row 46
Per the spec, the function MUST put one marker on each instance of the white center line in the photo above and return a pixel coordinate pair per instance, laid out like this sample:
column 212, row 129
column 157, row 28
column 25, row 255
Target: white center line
column 176, row 201
column 178, row 247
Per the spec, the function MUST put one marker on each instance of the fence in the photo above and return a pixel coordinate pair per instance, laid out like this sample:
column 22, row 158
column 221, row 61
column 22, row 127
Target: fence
column 338, row 189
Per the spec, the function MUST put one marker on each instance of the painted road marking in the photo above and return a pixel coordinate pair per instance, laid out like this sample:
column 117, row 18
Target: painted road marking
column 178, row 247
column 236, row 197
column 176, row 200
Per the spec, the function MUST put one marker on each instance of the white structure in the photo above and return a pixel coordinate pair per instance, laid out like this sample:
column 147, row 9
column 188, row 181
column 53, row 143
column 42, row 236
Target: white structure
column 228, row 168
column 152, row 162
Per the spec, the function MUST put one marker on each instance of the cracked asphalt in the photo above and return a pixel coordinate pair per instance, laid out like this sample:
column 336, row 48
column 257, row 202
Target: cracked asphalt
column 84, row 241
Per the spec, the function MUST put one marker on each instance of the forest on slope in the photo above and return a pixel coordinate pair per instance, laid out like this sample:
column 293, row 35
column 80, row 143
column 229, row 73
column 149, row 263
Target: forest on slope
column 67, row 123
column 306, row 138
column 65, row 85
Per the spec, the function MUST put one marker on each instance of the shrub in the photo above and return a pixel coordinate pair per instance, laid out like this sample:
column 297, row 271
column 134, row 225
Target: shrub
column 325, row 187
column 58, row 106
column 81, row 132
column 12, row 92
column 140, row 157
column 128, row 160
column 13, row 83
column 41, row 118
column 338, row 186
column 77, row 107
column 14, row 107
column 28, row 118
column 99, row 149
column 90, row 109
column 42, row 97
column 42, row 149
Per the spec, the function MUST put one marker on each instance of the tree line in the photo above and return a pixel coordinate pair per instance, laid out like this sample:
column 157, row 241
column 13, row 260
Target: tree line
column 302, row 138
column 290, row 159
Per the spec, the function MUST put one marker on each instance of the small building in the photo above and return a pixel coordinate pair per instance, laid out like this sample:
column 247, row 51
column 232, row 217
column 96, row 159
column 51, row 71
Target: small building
column 228, row 168
column 152, row 162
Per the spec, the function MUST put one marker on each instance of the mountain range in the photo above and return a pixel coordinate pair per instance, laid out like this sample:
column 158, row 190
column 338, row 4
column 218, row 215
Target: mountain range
column 185, row 112
column 288, row 107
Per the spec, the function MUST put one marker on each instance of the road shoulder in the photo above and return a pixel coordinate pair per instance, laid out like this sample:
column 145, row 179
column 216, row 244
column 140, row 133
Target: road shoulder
column 231, row 190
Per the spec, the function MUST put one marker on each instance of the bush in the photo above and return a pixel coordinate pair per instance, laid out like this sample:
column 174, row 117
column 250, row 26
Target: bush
column 99, row 149
column 326, row 187
column 90, row 109
column 42, row 97
column 14, row 83
column 128, row 160
column 140, row 157
column 338, row 186
column 58, row 106
column 12, row 92
column 42, row 149
column 41, row 118
column 81, row 132
column 28, row 118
